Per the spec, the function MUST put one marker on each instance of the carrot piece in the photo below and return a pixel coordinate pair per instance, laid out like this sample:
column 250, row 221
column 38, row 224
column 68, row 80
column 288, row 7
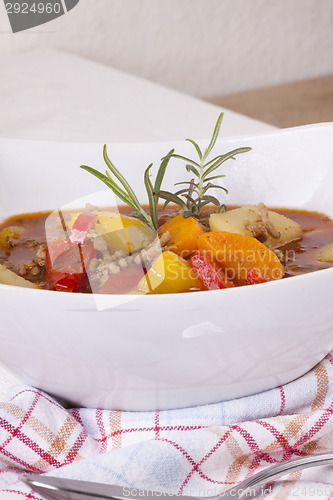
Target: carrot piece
column 238, row 254
column 184, row 234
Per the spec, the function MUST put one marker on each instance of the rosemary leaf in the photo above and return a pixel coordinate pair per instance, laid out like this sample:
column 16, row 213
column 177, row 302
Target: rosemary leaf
column 192, row 189
column 224, row 158
column 215, row 177
column 121, row 178
column 151, row 198
column 112, row 184
column 181, row 191
column 214, row 137
column 171, row 198
column 188, row 213
column 196, row 147
column 138, row 215
column 189, row 198
column 161, row 171
column 217, row 186
column 180, row 157
column 213, row 186
column 166, row 204
column 214, row 160
column 211, row 199
column 186, row 182
column 119, row 192
column 95, row 172
column 191, row 168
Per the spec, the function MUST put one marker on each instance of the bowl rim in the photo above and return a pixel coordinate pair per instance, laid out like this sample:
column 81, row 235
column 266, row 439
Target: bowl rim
column 277, row 131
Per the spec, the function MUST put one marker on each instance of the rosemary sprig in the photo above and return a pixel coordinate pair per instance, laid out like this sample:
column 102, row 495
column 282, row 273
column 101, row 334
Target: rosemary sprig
column 196, row 194
column 191, row 198
column 125, row 193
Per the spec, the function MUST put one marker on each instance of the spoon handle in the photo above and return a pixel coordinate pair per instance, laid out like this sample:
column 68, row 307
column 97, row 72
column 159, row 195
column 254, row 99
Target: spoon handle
column 275, row 471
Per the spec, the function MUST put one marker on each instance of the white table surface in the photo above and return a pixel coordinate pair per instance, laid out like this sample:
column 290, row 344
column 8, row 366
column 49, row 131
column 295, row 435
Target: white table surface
column 47, row 95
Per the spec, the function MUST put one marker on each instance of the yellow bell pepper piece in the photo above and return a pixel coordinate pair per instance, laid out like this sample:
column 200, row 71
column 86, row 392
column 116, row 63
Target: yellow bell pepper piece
column 169, row 274
column 8, row 234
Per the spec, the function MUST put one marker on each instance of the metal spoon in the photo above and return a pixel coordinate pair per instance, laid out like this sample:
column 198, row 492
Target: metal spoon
column 54, row 488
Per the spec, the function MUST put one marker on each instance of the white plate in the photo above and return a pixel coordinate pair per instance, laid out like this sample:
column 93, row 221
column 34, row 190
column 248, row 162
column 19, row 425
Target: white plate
column 156, row 352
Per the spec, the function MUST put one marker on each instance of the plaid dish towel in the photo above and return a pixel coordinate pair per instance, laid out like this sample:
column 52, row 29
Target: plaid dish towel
column 195, row 451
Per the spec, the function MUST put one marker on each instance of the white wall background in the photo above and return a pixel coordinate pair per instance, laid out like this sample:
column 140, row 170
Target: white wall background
column 202, row 47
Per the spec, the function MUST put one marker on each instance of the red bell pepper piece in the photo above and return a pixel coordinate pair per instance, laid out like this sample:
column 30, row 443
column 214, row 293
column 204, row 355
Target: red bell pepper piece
column 66, row 265
column 81, row 228
column 66, row 284
column 210, row 274
column 123, row 282
column 254, row 277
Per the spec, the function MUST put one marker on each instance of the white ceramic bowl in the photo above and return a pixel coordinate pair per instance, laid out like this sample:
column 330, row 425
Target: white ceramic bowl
column 169, row 351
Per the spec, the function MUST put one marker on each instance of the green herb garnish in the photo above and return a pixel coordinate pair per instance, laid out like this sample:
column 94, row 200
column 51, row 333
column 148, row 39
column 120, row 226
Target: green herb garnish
column 196, row 193
column 191, row 198
column 124, row 191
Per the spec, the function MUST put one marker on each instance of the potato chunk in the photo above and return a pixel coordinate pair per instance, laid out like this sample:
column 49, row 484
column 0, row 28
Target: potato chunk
column 326, row 254
column 241, row 219
column 122, row 232
column 7, row 277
